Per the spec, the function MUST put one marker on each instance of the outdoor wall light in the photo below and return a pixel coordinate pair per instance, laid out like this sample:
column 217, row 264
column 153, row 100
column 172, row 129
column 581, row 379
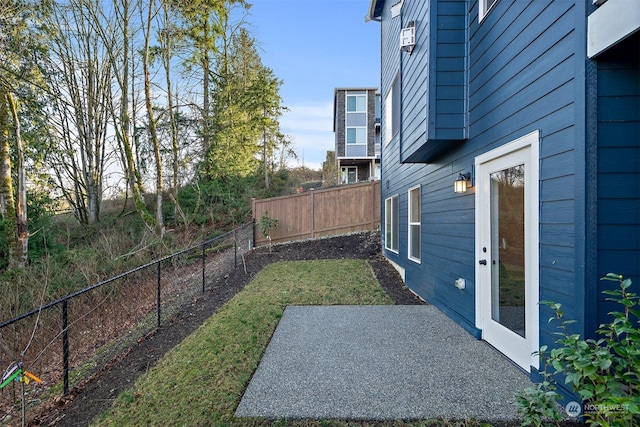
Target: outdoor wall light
column 460, row 185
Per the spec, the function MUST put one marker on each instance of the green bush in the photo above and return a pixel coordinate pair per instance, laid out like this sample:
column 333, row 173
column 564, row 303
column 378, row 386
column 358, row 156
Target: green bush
column 266, row 225
column 223, row 203
column 604, row 372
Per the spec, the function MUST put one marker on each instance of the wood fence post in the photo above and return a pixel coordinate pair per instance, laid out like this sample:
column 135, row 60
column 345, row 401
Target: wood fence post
column 373, row 203
column 313, row 213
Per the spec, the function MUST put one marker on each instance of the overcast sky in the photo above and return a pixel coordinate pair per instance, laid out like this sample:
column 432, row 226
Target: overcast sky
column 315, row 46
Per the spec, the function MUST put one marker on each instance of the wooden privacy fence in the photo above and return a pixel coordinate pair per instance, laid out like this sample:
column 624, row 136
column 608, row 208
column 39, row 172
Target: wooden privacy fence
column 321, row 212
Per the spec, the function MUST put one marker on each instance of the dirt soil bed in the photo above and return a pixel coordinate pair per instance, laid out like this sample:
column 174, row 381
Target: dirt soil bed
column 96, row 394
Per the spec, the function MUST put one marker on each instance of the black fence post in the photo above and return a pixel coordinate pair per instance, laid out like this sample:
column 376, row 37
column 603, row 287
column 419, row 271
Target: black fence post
column 204, row 254
column 235, row 249
column 65, row 347
column 253, row 233
column 158, row 294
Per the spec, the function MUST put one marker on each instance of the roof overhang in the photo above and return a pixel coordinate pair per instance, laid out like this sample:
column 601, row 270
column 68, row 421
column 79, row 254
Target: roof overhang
column 375, row 10
column 611, row 23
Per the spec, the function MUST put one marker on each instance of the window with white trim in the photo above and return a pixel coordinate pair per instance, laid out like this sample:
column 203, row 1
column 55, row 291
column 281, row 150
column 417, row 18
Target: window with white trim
column 414, row 224
column 392, row 111
column 356, row 124
column 485, row 6
column 391, row 223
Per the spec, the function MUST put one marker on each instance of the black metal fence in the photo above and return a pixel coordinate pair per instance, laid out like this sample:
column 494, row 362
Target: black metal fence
column 56, row 341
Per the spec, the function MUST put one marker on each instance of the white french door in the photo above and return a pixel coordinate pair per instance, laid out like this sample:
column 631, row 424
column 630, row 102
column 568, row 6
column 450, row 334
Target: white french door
column 507, row 249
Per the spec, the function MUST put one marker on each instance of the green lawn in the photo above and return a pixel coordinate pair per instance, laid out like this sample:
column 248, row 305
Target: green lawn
column 201, row 381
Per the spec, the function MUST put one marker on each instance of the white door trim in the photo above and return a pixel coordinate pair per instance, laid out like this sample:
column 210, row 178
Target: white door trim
column 531, row 143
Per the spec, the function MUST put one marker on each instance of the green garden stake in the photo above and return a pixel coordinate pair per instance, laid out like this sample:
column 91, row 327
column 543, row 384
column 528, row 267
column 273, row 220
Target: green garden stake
column 10, row 376
column 18, row 374
column 23, row 377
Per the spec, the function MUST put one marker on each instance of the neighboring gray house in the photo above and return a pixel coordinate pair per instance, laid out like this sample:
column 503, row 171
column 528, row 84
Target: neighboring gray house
column 356, row 125
column 511, row 160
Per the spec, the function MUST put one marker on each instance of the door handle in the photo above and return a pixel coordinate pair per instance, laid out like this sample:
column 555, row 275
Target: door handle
column 482, row 262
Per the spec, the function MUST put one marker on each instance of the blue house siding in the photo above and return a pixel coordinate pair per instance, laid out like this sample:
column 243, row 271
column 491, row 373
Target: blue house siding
column 516, row 84
column 523, row 65
column 434, row 79
column 525, row 70
column 414, row 75
column 450, row 72
column 618, row 179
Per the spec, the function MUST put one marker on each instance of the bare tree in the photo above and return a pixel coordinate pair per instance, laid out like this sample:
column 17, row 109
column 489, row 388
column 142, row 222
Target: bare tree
column 122, row 39
column 150, row 114
column 166, row 40
column 81, row 75
column 21, row 242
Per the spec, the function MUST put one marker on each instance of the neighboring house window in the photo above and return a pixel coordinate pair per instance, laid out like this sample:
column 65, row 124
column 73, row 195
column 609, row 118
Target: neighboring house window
column 392, row 111
column 485, row 7
column 356, row 124
column 414, row 224
column 391, row 223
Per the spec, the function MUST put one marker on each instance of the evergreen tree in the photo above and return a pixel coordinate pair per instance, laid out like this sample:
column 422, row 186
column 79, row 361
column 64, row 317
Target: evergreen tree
column 246, row 108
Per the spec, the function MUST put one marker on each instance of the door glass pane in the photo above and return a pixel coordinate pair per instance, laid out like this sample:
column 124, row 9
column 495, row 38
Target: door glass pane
column 508, row 249
column 352, row 174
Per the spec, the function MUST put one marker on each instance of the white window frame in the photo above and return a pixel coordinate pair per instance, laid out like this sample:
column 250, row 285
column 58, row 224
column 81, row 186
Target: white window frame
column 356, row 94
column 388, row 117
column 485, row 7
column 391, row 224
column 363, row 129
column 392, row 111
column 414, row 224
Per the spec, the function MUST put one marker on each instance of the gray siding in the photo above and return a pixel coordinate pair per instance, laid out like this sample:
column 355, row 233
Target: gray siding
column 371, row 122
column 339, row 118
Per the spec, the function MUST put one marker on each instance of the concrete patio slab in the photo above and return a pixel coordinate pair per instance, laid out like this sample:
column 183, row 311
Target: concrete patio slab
column 379, row 363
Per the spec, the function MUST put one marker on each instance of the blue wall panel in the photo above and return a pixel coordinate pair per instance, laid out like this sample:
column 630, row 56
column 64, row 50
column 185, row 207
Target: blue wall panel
column 618, row 182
